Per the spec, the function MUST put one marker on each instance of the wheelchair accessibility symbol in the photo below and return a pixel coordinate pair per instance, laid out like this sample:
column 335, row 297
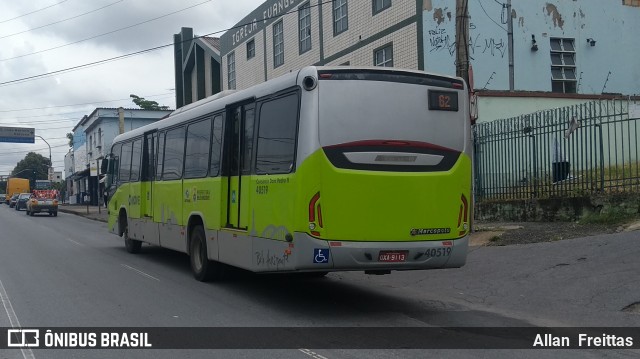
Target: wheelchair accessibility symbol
column 321, row 255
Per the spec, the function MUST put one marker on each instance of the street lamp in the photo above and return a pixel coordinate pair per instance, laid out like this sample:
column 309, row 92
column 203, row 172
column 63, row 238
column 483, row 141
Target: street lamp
column 50, row 171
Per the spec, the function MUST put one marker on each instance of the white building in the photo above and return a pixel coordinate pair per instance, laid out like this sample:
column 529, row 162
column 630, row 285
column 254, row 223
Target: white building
column 564, row 52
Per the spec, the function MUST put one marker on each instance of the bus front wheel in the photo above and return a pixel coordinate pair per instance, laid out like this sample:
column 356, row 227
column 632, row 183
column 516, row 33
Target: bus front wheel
column 132, row 245
column 203, row 269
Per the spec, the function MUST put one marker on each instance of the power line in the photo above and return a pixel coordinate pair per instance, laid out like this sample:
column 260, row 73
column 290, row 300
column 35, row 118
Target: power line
column 116, row 58
column 57, row 22
column 485, row 12
column 80, row 104
column 33, row 12
column 35, row 77
column 106, row 33
column 34, row 150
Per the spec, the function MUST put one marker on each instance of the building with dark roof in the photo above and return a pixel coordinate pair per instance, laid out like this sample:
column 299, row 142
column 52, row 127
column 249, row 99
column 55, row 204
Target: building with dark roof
column 197, row 66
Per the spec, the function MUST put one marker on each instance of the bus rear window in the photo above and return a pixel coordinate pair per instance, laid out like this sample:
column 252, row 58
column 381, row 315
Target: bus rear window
column 392, row 76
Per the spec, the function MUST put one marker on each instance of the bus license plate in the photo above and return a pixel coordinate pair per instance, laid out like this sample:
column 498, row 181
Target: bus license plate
column 392, row 256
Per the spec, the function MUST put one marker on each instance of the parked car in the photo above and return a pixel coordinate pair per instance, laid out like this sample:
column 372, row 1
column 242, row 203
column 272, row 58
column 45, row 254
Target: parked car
column 21, row 201
column 40, row 201
column 2, row 197
column 12, row 200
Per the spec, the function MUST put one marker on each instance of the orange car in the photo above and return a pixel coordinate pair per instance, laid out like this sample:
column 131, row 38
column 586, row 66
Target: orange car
column 43, row 200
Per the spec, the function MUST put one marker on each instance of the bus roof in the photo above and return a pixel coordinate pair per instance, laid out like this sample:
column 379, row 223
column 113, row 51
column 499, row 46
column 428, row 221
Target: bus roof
column 220, row 100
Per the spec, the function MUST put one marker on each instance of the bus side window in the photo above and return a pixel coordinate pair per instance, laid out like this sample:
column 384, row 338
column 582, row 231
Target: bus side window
column 196, row 162
column 173, row 154
column 125, row 162
column 216, row 146
column 247, row 141
column 160, row 156
column 114, row 168
column 277, row 135
column 136, row 160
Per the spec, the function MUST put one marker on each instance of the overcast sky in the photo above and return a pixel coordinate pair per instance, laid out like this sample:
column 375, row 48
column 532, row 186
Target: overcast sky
column 44, row 103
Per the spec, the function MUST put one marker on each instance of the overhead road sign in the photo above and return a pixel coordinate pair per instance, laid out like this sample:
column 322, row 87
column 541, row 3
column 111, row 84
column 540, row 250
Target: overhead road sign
column 17, row 134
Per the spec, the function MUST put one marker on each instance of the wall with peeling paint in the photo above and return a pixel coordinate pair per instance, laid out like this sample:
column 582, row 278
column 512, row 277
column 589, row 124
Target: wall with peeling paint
column 615, row 28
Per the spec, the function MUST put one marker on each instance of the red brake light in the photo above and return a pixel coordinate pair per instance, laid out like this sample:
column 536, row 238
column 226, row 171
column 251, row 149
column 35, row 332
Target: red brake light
column 312, row 207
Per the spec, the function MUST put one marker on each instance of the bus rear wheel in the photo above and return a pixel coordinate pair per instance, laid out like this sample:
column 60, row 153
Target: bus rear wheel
column 203, row 269
column 132, row 245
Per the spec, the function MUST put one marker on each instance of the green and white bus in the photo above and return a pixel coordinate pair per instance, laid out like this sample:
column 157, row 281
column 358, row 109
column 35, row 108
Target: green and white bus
column 322, row 169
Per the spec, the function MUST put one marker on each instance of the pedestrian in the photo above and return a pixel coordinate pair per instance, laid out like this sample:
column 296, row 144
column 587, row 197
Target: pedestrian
column 105, row 197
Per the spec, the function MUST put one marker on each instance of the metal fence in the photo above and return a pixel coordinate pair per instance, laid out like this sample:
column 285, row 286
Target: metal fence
column 566, row 152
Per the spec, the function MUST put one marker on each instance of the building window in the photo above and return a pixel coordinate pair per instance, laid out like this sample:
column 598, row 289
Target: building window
column 379, row 5
column 231, row 71
column 563, row 66
column 383, row 56
column 278, row 45
column 340, row 18
column 304, row 28
column 251, row 49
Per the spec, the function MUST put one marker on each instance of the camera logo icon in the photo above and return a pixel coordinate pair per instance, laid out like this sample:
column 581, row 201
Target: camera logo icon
column 21, row 338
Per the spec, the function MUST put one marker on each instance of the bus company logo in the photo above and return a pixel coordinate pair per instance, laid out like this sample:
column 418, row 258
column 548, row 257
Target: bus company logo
column 21, row 338
column 427, row 231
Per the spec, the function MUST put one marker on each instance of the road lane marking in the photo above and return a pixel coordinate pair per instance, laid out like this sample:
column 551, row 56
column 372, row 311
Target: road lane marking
column 140, row 272
column 312, row 354
column 27, row 353
column 72, row 241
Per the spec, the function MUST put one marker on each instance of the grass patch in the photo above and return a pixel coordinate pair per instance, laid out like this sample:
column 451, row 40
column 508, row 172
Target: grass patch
column 613, row 216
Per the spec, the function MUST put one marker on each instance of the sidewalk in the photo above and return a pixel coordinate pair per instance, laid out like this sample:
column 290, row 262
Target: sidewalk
column 484, row 234
column 81, row 210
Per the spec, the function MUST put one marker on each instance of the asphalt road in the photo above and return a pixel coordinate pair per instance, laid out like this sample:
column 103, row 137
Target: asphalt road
column 69, row 271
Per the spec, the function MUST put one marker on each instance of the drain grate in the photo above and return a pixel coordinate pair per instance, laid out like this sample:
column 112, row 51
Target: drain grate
column 632, row 308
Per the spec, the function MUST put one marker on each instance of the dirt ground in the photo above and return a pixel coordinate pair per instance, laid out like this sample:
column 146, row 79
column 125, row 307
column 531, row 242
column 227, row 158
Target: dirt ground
column 509, row 233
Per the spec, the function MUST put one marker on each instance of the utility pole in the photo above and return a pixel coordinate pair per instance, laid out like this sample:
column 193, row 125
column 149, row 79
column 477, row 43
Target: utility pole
column 120, row 120
column 510, row 45
column 50, row 170
column 462, row 38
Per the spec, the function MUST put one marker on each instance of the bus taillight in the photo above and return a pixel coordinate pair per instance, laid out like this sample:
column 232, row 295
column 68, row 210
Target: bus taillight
column 463, row 215
column 315, row 214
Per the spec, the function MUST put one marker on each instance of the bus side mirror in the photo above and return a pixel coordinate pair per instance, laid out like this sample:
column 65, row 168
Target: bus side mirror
column 104, row 166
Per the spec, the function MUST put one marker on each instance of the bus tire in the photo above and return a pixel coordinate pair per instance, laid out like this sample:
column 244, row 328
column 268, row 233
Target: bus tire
column 132, row 245
column 203, row 269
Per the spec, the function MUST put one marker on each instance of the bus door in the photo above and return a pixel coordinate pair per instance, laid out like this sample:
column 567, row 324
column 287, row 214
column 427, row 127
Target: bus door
column 238, row 153
column 146, row 187
column 148, row 174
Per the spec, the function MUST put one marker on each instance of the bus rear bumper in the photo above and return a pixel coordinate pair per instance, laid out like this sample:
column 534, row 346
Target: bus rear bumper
column 325, row 255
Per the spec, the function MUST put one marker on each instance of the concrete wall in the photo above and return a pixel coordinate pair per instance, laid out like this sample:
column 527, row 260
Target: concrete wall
column 614, row 27
column 558, row 209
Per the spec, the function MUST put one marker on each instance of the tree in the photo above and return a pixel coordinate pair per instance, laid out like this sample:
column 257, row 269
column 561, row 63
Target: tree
column 70, row 137
column 147, row 104
column 34, row 167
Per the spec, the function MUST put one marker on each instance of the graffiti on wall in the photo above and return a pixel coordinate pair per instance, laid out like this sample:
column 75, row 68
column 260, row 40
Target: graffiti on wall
column 441, row 40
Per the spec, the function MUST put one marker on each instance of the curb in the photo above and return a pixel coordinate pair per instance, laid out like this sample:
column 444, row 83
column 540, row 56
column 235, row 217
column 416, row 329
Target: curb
column 85, row 215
